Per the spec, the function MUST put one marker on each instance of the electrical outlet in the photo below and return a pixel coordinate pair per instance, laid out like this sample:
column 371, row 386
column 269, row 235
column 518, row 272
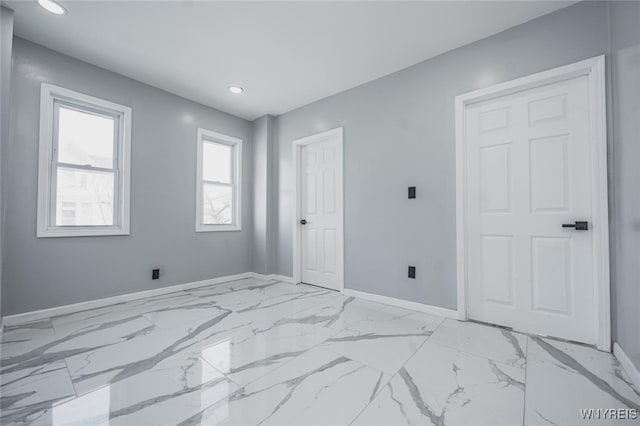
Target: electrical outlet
column 412, row 192
column 155, row 274
column 412, row 271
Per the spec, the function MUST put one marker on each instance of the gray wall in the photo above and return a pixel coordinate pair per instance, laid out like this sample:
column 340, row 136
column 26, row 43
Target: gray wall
column 399, row 132
column 262, row 131
column 6, row 34
column 40, row 273
column 625, row 71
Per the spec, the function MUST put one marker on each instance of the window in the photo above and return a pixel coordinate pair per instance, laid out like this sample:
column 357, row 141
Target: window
column 84, row 167
column 218, row 182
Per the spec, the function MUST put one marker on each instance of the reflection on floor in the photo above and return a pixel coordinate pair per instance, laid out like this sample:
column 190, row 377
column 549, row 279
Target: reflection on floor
column 251, row 352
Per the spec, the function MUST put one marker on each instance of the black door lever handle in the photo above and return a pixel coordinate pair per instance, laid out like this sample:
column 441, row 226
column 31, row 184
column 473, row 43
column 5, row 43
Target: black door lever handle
column 579, row 226
column 303, row 222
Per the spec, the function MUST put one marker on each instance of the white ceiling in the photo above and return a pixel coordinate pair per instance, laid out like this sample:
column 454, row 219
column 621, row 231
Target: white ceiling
column 285, row 54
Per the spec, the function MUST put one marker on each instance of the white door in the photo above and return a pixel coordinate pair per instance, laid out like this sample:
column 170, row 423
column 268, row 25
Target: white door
column 529, row 174
column 320, row 213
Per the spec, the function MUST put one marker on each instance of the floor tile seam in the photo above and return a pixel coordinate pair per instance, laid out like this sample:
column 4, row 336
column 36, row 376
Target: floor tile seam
column 203, row 359
column 526, row 358
column 526, row 385
column 351, row 324
column 293, row 312
column 283, row 364
column 50, row 318
column 194, row 291
column 127, row 305
column 414, row 355
column 68, row 372
column 185, row 353
column 60, row 327
column 15, row 331
column 375, row 396
column 338, row 352
column 598, row 373
column 319, row 306
column 300, row 310
column 393, row 376
column 476, row 355
column 141, row 300
column 362, row 364
column 282, row 304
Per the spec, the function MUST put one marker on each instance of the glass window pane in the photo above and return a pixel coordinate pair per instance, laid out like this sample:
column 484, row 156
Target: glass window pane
column 84, row 198
column 216, row 162
column 85, row 138
column 217, row 204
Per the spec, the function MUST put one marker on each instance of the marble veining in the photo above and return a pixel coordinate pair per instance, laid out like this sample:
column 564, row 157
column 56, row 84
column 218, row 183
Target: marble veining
column 254, row 352
column 385, row 339
column 490, row 342
column 582, row 378
column 470, row 390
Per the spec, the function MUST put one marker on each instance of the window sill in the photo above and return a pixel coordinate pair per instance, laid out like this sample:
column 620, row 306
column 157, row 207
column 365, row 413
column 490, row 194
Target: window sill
column 81, row 232
column 217, row 228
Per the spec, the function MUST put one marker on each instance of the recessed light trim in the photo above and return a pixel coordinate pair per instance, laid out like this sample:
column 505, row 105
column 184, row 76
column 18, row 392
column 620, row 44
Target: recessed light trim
column 53, row 7
column 235, row 89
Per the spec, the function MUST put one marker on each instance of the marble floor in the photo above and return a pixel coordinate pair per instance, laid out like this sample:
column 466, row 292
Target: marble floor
column 251, row 352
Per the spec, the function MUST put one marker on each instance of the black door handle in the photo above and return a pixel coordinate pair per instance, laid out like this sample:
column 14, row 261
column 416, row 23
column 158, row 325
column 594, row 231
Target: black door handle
column 579, row 226
column 303, row 222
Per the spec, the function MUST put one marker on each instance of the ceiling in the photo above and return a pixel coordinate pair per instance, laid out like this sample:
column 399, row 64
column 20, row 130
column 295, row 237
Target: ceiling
column 285, row 54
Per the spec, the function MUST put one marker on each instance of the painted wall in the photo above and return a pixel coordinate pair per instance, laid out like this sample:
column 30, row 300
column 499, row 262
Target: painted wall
column 41, row 273
column 262, row 131
column 399, row 132
column 625, row 75
column 6, row 34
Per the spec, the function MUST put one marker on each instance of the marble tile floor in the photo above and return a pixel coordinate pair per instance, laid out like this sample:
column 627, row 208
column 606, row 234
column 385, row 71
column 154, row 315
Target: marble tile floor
column 251, row 352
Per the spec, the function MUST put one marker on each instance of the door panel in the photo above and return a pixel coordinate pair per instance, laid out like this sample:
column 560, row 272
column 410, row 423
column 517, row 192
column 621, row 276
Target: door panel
column 528, row 172
column 330, row 251
column 549, row 173
column 311, row 194
column 311, row 250
column 321, row 204
column 551, row 273
column 329, row 191
column 495, row 164
column 497, row 269
column 541, row 110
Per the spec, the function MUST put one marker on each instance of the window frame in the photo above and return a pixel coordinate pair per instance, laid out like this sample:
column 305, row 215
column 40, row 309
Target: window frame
column 51, row 97
column 204, row 135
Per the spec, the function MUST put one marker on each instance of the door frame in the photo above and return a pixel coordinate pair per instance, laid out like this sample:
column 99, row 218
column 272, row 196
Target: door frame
column 594, row 69
column 337, row 134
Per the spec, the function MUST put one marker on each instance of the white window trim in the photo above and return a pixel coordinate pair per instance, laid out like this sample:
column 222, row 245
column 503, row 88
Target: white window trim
column 48, row 94
column 236, row 143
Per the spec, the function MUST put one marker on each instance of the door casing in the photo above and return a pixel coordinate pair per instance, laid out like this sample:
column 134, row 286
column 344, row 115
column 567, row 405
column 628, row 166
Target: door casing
column 594, row 70
column 336, row 134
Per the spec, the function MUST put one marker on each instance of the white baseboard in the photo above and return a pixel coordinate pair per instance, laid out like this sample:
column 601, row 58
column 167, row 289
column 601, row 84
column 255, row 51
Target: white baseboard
column 401, row 303
column 628, row 366
column 98, row 303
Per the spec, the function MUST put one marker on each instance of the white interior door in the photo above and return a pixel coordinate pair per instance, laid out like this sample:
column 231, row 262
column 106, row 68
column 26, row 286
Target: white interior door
column 320, row 213
column 529, row 172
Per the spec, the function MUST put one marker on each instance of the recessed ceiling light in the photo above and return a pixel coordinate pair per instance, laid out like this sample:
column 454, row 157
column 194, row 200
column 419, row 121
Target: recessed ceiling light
column 236, row 89
column 52, row 6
